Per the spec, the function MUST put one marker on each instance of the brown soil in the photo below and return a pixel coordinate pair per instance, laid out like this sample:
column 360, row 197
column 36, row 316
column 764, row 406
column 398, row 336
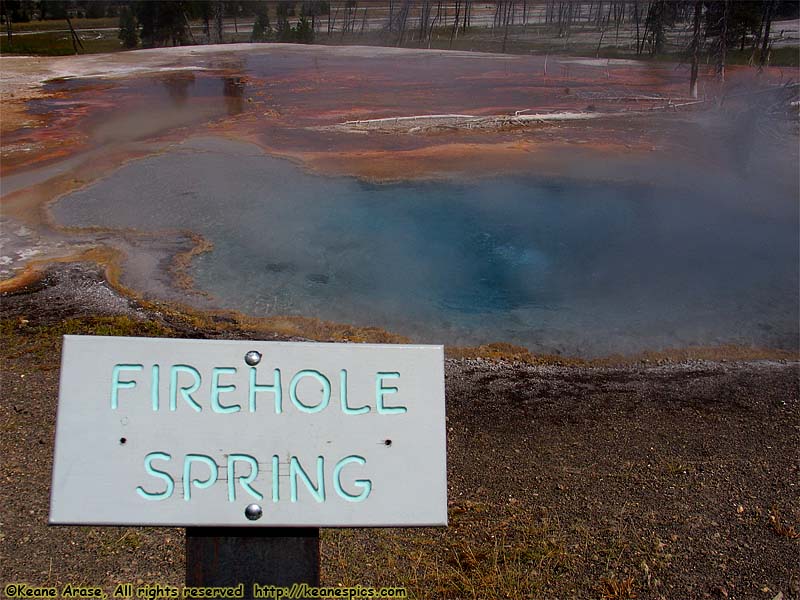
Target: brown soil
column 565, row 481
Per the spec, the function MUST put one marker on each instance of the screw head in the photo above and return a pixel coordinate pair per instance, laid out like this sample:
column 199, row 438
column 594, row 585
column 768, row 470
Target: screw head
column 252, row 358
column 253, row 512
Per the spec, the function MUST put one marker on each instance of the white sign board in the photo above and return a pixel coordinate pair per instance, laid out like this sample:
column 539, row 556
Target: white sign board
column 193, row 432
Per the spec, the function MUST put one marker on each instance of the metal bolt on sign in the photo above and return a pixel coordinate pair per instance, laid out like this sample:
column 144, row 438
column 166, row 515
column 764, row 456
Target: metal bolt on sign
column 252, row 358
column 253, row 512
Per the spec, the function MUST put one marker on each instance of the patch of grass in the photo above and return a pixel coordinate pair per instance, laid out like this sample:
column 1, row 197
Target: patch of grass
column 510, row 352
column 494, row 551
column 57, row 44
column 617, row 589
column 19, row 338
column 502, row 549
column 782, row 529
column 112, row 542
column 778, row 57
column 679, row 468
column 51, row 24
column 121, row 326
column 486, row 552
column 784, row 57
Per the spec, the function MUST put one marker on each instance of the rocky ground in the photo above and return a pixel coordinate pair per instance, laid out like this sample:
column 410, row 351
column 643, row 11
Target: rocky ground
column 677, row 480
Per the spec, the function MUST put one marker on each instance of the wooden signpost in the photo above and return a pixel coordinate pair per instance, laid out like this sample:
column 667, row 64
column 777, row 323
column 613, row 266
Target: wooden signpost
column 252, row 446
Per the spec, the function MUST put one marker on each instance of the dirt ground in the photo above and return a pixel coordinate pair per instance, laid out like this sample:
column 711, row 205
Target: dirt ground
column 672, row 480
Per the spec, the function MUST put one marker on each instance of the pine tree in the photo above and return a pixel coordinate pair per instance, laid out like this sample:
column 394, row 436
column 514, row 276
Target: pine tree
column 303, row 32
column 284, row 31
column 261, row 26
column 128, row 28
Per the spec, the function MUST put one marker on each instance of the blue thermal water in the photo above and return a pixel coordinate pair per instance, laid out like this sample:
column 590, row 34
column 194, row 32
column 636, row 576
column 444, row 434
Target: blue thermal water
column 582, row 268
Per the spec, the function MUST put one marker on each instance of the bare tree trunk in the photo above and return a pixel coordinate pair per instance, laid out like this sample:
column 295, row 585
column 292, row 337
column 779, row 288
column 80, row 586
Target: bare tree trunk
column 434, row 21
column 560, row 19
column 698, row 10
column 188, row 27
column 723, row 42
column 570, row 6
column 757, row 38
column 76, row 40
column 332, row 24
column 507, row 19
column 216, row 32
column 764, row 58
column 640, row 47
column 454, row 31
column 403, row 16
column 218, row 23
column 346, row 24
column 424, row 15
column 600, row 43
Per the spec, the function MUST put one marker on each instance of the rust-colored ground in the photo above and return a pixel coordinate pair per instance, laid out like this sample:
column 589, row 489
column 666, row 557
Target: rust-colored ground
column 275, row 93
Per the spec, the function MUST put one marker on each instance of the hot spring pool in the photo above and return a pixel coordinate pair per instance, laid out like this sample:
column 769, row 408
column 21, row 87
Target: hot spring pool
column 576, row 267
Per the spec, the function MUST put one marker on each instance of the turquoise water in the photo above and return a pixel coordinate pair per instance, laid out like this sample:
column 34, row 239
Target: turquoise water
column 576, row 267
